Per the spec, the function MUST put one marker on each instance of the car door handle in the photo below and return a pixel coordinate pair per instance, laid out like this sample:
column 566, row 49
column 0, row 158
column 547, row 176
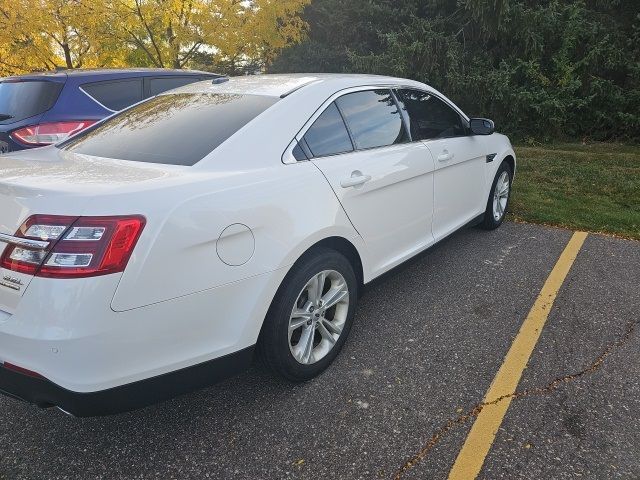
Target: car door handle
column 354, row 180
column 445, row 156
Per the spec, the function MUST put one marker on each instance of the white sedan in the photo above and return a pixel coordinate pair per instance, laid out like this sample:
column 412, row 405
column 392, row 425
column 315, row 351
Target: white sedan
column 155, row 252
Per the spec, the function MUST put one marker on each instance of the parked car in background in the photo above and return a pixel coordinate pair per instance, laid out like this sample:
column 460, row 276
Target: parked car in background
column 152, row 253
column 45, row 108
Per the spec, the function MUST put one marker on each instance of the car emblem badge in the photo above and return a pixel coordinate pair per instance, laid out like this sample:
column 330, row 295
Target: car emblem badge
column 11, row 282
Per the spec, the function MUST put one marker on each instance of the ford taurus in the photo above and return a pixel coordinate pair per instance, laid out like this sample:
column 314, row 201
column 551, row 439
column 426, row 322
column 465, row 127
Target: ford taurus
column 156, row 251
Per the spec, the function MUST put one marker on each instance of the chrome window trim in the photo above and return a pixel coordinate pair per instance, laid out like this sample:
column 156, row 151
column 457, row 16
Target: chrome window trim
column 333, row 98
column 391, row 86
column 24, row 242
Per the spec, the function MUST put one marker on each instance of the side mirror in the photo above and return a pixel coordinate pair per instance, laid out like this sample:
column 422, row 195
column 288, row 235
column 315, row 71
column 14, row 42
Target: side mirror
column 482, row 126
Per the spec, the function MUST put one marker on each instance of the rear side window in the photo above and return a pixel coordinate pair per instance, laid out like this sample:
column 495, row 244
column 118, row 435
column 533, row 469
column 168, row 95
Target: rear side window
column 162, row 84
column 373, row 118
column 328, row 134
column 116, row 95
column 173, row 129
column 430, row 117
column 24, row 99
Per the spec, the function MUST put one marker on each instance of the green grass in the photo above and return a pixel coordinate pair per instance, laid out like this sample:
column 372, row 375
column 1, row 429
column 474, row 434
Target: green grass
column 587, row 187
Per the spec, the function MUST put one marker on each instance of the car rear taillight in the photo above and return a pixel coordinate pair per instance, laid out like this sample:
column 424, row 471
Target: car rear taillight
column 48, row 133
column 77, row 246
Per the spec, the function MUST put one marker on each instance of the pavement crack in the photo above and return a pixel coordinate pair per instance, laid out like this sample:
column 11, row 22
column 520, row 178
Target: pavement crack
column 543, row 390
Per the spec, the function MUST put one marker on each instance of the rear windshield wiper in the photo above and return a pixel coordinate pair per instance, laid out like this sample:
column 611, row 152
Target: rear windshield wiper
column 4, row 116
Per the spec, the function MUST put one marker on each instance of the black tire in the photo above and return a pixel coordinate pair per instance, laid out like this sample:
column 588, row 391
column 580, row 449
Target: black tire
column 489, row 222
column 273, row 345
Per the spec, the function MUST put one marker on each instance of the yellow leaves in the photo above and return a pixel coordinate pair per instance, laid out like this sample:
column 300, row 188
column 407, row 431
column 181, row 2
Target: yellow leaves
column 44, row 34
column 254, row 30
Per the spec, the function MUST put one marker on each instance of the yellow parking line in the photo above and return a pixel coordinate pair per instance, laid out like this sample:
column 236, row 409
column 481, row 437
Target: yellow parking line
column 481, row 436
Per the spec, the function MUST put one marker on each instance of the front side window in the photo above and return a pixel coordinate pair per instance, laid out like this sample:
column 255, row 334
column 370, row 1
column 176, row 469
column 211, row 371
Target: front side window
column 430, row 117
column 174, row 129
column 328, row 134
column 373, row 118
column 116, row 95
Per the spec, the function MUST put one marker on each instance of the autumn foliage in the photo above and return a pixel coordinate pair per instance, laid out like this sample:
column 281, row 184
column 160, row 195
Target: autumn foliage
column 38, row 35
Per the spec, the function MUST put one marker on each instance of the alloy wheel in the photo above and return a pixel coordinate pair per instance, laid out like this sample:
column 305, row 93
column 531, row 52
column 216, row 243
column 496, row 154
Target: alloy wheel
column 318, row 316
column 501, row 196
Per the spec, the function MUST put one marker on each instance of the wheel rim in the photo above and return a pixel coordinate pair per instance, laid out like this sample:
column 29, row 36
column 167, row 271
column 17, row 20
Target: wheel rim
column 501, row 196
column 318, row 316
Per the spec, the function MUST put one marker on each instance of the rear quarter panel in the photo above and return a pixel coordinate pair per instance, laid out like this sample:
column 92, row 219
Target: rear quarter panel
column 286, row 207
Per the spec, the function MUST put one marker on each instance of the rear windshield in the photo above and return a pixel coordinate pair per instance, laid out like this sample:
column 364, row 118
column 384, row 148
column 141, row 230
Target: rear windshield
column 24, row 99
column 175, row 129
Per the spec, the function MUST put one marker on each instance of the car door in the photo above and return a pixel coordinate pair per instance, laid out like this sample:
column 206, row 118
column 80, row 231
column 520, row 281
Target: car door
column 459, row 179
column 382, row 179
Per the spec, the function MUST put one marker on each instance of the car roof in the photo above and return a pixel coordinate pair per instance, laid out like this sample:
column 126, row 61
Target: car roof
column 150, row 71
column 61, row 75
column 279, row 85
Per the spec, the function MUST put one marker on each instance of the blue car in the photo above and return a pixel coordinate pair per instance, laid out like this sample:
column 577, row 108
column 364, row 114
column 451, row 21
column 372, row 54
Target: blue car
column 45, row 108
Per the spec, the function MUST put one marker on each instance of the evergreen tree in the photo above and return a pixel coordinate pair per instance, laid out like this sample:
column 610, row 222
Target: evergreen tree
column 540, row 68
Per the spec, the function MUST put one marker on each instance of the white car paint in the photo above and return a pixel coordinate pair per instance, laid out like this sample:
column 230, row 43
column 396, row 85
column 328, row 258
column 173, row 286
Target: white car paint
column 221, row 235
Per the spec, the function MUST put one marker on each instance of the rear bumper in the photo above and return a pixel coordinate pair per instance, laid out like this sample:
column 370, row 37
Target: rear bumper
column 65, row 331
column 43, row 393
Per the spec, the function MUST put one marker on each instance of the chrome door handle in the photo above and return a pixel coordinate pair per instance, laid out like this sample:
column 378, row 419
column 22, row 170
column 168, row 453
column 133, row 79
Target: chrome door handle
column 445, row 156
column 356, row 179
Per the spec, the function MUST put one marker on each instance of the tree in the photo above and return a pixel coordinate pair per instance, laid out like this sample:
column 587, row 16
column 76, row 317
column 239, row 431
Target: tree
column 540, row 68
column 170, row 33
column 47, row 34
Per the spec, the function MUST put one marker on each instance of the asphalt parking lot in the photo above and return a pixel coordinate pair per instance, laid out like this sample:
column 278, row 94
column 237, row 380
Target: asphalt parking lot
column 427, row 343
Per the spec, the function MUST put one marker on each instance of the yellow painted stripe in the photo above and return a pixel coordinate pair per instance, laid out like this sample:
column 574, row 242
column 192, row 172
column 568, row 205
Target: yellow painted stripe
column 481, row 436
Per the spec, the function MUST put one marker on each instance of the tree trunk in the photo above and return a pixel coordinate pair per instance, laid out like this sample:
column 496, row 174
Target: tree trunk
column 174, row 51
column 67, row 55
